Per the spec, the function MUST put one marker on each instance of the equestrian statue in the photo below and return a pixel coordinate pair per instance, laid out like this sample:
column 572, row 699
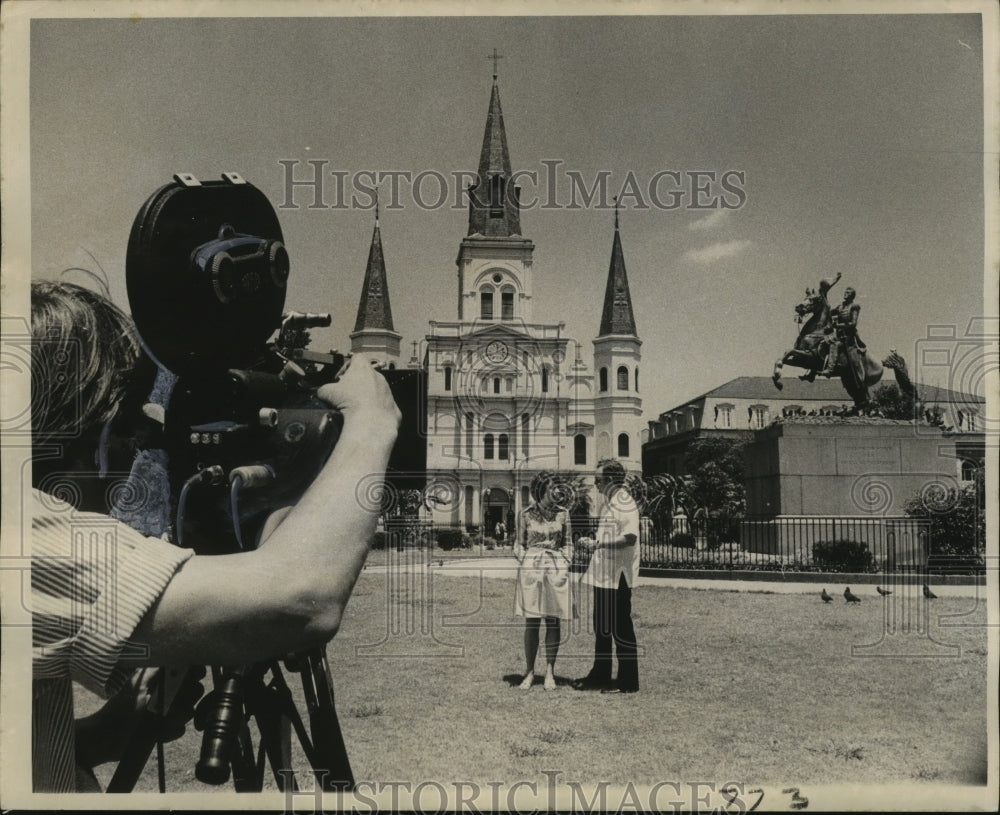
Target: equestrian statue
column 828, row 344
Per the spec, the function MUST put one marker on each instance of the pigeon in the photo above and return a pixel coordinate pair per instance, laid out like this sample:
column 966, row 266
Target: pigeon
column 882, row 591
column 826, row 597
column 850, row 598
column 928, row 593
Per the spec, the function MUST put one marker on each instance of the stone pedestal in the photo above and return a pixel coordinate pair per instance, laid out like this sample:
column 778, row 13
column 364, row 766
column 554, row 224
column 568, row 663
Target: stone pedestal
column 845, row 466
column 817, row 480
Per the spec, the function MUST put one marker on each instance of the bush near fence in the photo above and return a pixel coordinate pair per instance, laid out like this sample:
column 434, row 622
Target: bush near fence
column 843, row 556
column 451, row 538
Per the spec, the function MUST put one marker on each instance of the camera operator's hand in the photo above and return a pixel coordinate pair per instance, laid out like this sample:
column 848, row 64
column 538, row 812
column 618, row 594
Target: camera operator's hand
column 361, row 391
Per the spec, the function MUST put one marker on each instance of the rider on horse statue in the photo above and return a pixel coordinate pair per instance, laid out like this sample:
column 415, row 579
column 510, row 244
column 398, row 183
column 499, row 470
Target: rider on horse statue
column 844, row 322
column 828, row 344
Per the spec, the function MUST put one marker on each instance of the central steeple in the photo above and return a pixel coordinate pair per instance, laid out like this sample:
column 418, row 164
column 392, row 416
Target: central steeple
column 494, row 203
column 494, row 259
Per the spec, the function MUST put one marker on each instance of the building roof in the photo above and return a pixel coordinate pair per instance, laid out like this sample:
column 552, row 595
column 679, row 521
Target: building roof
column 821, row 390
column 494, row 209
column 617, row 316
column 374, row 310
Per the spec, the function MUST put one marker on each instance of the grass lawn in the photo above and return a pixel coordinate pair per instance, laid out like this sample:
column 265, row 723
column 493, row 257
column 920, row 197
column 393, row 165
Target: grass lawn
column 746, row 687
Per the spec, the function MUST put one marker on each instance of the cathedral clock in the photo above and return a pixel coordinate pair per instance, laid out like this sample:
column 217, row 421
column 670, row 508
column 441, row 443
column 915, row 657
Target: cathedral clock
column 496, row 351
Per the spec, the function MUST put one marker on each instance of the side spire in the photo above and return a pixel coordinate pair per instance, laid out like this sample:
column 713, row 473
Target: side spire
column 374, row 310
column 617, row 316
column 494, row 203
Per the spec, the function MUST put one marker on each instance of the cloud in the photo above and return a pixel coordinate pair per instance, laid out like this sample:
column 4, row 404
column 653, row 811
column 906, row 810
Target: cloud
column 711, row 220
column 717, row 251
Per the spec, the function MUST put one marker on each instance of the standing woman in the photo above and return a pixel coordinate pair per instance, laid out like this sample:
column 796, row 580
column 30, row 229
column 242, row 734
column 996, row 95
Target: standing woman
column 544, row 549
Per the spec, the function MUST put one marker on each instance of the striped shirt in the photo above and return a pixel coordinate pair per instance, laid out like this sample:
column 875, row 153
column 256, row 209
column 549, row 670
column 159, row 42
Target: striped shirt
column 92, row 581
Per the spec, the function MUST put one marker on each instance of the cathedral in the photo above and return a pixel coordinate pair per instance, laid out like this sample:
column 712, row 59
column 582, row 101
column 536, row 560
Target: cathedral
column 507, row 395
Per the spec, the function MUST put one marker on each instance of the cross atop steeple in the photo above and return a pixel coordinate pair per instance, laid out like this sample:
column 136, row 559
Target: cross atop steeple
column 495, row 57
column 616, row 213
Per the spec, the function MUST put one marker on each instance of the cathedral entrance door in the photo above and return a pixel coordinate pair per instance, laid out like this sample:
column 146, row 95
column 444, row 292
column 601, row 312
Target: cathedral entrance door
column 497, row 509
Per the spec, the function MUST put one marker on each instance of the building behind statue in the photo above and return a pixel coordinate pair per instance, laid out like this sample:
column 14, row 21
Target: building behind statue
column 741, row 406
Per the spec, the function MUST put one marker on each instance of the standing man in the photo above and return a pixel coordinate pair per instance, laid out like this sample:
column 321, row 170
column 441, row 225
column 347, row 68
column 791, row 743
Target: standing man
column 614, row 566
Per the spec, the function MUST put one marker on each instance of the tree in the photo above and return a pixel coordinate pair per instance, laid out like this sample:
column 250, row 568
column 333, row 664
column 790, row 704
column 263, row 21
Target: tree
column 716, row 473
column 659, row 497
column 892, row 402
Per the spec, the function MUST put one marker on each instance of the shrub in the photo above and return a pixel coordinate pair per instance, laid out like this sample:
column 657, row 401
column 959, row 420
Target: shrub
column 449, row 538
column 843, row 556
column 378, row 542
column 722, row 532
column 682, row 540
column 957, row 520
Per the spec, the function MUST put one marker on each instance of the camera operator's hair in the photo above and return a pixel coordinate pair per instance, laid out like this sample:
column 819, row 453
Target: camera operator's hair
column 84, row 351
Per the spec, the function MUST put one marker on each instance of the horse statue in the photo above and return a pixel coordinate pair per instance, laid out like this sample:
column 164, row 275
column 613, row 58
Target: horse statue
column 857, row 370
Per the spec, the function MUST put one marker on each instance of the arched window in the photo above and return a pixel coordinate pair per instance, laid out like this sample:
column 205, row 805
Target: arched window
column 623, row 445
column 503, row 447
column 604, row 380
column 468, row 435
column 545, row 379
column 525, row 427
column 636, row 378
column 496, row 384
column 622, row 378
column 447, row 377
column 488, row 446
column 486, row 304
column 580, row 449
column 507, row 305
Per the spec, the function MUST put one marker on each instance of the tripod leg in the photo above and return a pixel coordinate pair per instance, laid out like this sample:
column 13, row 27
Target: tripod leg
column 136, row 755
column 331, row 763
column 147, row 733
column 246, row 775
column 275, row 714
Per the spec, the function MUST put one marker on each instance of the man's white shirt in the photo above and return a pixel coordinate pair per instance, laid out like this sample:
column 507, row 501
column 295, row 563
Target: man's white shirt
column 619, row 516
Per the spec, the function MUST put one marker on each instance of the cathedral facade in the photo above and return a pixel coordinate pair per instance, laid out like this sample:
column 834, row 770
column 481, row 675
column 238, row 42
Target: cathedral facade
column 509, row 395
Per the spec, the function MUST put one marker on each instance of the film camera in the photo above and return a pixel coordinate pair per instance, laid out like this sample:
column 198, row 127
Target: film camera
column 207, row 272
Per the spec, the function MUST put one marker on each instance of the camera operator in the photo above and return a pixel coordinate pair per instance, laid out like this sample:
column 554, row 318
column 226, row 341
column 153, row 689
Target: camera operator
column 91, row 600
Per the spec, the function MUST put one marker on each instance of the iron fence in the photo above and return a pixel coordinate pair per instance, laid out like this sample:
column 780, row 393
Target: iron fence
column 799, row 543
column 785, row 543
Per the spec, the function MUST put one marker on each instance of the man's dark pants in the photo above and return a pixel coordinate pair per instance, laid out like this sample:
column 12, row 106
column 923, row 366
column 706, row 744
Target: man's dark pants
column 613, row 623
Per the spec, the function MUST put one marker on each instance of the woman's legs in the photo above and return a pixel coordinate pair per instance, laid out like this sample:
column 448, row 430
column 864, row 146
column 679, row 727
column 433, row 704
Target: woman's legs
column 552, row 639
column 531, row 630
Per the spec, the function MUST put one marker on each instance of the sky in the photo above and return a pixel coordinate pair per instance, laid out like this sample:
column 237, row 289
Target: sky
column 860, row 141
